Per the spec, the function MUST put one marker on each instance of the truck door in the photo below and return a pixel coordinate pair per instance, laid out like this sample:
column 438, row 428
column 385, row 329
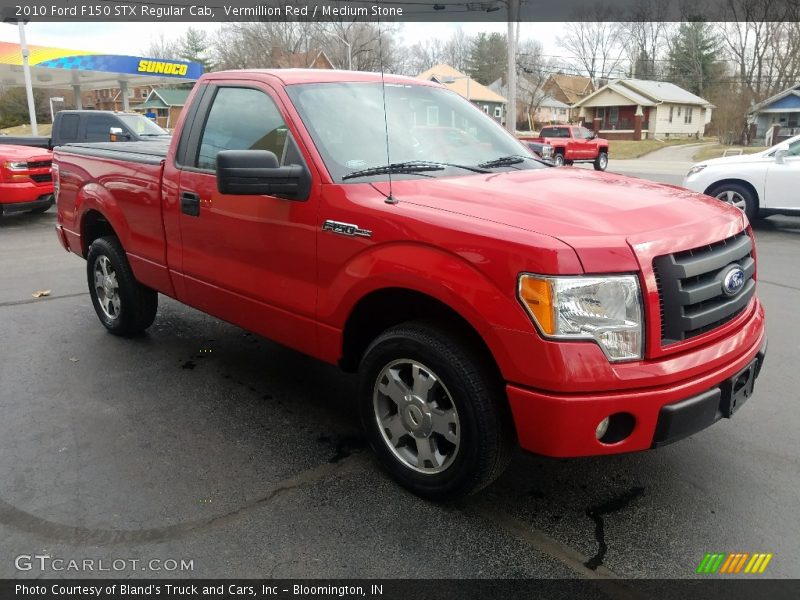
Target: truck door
column 780, row 187
column 250, row 260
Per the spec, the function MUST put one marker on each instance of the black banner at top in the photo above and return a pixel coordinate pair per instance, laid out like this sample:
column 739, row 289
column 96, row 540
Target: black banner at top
column 400, row 11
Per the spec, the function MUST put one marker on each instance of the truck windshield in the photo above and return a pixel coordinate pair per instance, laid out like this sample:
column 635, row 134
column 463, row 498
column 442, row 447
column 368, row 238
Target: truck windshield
column 422, row 123
column 142, row 125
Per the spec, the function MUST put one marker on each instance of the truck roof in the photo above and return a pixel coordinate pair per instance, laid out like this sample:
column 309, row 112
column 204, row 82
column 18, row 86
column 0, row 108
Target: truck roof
column 296, row 76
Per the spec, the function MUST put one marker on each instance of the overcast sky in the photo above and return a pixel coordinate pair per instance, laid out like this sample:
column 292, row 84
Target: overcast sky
column 133, row 38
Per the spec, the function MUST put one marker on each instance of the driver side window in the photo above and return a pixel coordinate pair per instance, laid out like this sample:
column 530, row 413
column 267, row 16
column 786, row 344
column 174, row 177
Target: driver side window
column 242, row 119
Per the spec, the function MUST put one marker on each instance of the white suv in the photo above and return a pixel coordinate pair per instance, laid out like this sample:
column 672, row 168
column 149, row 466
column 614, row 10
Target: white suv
column 761, row 184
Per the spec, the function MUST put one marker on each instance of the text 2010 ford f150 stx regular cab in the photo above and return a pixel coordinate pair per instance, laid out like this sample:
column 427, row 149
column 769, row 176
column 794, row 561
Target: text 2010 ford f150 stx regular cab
column 486, row 299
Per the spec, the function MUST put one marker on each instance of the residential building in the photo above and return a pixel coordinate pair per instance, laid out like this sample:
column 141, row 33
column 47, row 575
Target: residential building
column 492, row 103
column 534, row 107
column 111, row 98
column 167, row 104
column 778, row 117
column 316, row 59
column 636, row 109
column 568, row 89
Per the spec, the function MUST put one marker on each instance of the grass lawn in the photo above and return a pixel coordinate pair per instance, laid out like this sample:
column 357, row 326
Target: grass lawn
column 717, row 150
column 626, row 149
column 44, row 129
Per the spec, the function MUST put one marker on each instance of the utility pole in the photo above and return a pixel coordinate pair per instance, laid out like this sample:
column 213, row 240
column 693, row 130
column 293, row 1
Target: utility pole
column 26, row 69
column 511, row 111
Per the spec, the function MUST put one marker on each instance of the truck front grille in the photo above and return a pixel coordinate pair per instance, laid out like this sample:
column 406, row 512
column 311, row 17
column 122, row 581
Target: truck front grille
column 42, row 177
column 690, row 287
column 39, row 164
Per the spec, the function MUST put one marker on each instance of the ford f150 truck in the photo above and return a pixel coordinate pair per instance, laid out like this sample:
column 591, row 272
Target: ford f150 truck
column 487, row 300
column 26, row 184
column 79, row 126
column 573, row 144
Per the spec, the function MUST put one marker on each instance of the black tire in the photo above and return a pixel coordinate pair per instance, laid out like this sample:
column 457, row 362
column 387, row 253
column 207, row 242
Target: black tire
column 558, row 159
column 736, row 193
column 601, row 162
column 485, row 431
column 136, row 305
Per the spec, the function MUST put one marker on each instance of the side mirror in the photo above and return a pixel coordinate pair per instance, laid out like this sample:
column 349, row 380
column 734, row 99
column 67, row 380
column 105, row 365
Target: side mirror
column 257, row 173
column 117, row 134
column 781, row 153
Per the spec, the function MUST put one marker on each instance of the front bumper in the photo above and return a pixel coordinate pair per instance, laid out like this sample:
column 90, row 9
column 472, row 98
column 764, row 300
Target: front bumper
column 564, row 425
column 45, row 200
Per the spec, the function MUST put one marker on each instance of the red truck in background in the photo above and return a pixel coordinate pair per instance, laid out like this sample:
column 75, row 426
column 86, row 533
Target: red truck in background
column 26, row 183
column 573, row 144
column 487, row 300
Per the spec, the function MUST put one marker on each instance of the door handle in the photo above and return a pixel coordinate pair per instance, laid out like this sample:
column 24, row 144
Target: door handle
column 190, row 204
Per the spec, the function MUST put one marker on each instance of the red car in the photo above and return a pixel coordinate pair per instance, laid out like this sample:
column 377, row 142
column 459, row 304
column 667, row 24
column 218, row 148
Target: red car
column 487, row 300
column 573, row 144
column 26, row 181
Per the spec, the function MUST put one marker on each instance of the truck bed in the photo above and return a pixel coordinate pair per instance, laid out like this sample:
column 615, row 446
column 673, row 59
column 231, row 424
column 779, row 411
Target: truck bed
column 142, row 152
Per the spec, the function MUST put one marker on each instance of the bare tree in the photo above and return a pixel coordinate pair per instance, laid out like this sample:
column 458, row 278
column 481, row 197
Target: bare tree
column 645, row 34
column 534, row 70
column 161, row 47
column 597, row 46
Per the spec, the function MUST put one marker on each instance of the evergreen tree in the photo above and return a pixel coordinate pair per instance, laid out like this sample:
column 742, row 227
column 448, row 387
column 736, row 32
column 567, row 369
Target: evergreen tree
column 693, row 57
column 488, row 57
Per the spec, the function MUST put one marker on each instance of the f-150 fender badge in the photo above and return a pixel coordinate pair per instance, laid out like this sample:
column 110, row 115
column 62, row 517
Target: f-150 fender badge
column 345, row 229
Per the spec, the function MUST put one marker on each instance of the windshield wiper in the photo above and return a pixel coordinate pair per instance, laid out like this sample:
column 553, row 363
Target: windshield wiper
column 506, row 161
column 403, row 167
column 412, row 166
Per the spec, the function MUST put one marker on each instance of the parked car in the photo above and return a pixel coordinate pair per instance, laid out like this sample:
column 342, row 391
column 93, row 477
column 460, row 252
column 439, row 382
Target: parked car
column 760, row 184
column 486, row 304
column 540, row 150
column 26, row 183
column 573, row 144
column 77, row 126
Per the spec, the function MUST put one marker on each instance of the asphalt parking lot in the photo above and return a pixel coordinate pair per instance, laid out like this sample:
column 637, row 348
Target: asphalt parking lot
column 201, row 442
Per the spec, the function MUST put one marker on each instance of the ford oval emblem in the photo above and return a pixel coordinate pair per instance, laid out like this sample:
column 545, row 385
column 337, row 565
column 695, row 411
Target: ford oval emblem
column 733, row 282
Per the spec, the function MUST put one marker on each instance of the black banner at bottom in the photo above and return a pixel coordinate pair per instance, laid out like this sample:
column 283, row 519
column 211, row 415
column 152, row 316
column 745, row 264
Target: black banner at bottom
column 391, row 589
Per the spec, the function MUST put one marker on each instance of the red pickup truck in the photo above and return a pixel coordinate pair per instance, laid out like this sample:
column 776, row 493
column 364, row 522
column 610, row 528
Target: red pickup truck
column 26, row 184
column 486, row 299
column 573, row 144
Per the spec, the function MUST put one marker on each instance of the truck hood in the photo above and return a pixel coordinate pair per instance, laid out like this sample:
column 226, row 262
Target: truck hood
column 598, row 214
column 23, row 153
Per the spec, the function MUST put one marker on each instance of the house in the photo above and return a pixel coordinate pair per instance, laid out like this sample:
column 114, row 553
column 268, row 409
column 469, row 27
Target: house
column 111, row 98
column 568, row 89
column 300, row 60
column 167, row 104
column 778, row 117
column 533, row 106
column 636, row 109
column 492, row 103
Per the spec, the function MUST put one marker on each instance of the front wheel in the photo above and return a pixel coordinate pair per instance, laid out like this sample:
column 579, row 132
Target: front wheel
column 601, row 162
column 433, row 413
column 739, row 196
column 558, row 160
column 124, row 306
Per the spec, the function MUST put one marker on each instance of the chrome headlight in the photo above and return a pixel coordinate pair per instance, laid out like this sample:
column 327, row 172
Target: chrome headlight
column 695, row 170
column 604, row 309
column 17, row 166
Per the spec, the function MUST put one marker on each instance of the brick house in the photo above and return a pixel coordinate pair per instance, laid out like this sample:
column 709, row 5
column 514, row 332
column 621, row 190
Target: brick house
column 636, row 109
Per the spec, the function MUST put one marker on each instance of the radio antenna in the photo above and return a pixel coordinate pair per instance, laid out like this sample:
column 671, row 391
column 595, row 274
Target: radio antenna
column 390, row 199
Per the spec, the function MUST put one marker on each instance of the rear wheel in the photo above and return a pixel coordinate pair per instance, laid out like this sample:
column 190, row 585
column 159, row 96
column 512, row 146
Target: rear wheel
column 434, row 415
column 737, row 195
column 601, row 162
column 124, row 306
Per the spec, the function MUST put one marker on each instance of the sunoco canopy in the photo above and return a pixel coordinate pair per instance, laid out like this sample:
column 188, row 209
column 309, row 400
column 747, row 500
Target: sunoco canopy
column 61, row 68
